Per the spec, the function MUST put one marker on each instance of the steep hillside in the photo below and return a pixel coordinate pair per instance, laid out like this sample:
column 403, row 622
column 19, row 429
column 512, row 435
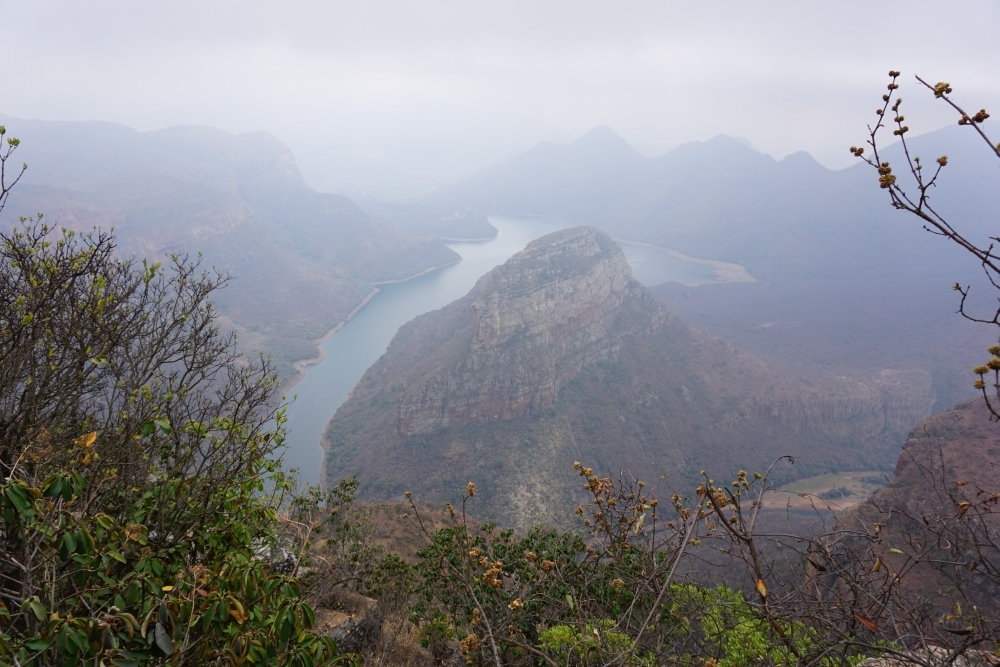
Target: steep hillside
column 941, row 509
column 559, row 355
column 302, row 260
column 844, row 326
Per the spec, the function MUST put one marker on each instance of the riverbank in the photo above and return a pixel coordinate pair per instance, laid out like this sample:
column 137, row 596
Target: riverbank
column 416, row 275
column 301, row 365
column 451, row 239
column 725, row 272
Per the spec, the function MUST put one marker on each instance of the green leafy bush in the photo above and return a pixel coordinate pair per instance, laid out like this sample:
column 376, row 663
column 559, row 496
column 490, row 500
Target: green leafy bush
column 140, row 489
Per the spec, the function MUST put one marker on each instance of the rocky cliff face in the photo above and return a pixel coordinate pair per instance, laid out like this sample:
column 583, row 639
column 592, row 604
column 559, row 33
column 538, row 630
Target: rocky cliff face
column 885, row 400
column 939, row 509
column 559, row 355
column 536, row 322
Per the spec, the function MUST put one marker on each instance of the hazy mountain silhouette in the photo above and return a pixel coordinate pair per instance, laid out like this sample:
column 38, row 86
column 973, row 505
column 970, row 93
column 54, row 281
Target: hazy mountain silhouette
column 303, row 260
column 826, row 241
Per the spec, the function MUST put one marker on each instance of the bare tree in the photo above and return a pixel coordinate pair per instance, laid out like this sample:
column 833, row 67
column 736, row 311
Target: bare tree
column 6, row 184
column 915, row 198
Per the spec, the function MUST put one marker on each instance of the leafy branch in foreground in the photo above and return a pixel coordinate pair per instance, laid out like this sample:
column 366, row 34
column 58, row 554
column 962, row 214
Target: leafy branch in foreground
column 140, row 484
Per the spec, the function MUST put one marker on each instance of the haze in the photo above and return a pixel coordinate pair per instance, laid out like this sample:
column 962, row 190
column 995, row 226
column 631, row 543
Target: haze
column 395, row 98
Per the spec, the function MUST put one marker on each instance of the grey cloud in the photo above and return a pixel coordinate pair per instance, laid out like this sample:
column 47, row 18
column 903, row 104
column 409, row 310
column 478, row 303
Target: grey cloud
column 400, row 96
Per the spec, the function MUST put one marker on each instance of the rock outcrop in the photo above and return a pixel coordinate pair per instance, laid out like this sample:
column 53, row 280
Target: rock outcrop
column 353, row 620
column 559, row 355
column 538, row 320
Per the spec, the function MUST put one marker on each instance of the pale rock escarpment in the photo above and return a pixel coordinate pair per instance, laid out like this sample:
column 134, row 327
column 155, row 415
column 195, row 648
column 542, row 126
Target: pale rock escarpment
column 538, row 320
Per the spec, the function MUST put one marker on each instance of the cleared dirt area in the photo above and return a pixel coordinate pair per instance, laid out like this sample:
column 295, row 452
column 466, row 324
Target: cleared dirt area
column 836, row 492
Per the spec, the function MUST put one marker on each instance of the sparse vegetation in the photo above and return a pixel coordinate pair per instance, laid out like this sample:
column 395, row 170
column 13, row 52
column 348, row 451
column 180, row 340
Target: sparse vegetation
column 653, row 579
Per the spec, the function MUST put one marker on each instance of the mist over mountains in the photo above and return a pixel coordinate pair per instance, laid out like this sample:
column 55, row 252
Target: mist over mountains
column 302, row 260
column 845, row 288
column 843, row 280
column 722, row 199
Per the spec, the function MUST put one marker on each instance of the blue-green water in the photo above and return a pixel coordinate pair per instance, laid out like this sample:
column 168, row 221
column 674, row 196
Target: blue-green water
column 360, row 342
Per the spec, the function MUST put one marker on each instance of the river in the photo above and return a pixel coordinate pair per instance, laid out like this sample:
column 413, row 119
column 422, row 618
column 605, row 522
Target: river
column 361, row 341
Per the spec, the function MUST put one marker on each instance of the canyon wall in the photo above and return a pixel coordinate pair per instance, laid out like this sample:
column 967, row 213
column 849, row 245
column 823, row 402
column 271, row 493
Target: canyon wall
column 559, row 355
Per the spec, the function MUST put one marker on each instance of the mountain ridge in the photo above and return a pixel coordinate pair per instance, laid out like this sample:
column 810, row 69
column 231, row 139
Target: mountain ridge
column 809, row 236
column 303, row 260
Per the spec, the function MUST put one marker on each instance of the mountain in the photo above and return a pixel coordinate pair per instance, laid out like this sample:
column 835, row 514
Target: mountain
column 724, row 200
column 302, row 260
column 559, row 355
column 460, row 223
column 841, row 276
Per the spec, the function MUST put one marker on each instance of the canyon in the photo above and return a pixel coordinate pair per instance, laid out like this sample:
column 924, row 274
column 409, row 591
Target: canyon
column 559, row 355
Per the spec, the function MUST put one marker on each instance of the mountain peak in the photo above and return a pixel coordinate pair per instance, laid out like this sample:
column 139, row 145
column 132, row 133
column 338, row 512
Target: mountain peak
column 545, row 314
column 562, row 255
column 559, row 356
column 603, row 138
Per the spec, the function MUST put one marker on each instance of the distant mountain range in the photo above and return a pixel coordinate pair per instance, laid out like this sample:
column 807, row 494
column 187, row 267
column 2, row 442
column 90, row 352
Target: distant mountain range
column 558, row 356
column 723, row 199
column 844, row 281
column 302, row 260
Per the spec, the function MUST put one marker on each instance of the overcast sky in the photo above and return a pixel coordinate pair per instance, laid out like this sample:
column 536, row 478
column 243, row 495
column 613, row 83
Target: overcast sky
column 398, row 96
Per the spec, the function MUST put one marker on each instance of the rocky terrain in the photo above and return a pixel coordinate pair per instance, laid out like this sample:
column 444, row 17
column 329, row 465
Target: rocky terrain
column 302, row 260
column 559, row 355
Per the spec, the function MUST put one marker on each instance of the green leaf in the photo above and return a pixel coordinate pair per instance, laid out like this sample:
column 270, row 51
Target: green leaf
column 53, row 486
column 76, row 486
column 86, row 540
column 18, row 496
column 163, row 616
column 147, row 429
column 164, row 425
column 70, row 542
column 38, row 644
column 145, row 622
column 37, row 609
column 79, row 638
column 163, row 639
column 209, row 616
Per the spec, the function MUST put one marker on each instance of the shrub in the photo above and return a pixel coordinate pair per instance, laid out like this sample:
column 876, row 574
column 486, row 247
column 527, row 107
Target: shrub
column 137, row 450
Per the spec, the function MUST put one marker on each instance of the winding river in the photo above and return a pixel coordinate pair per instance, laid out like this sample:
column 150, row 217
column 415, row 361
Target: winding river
column 360, row 342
